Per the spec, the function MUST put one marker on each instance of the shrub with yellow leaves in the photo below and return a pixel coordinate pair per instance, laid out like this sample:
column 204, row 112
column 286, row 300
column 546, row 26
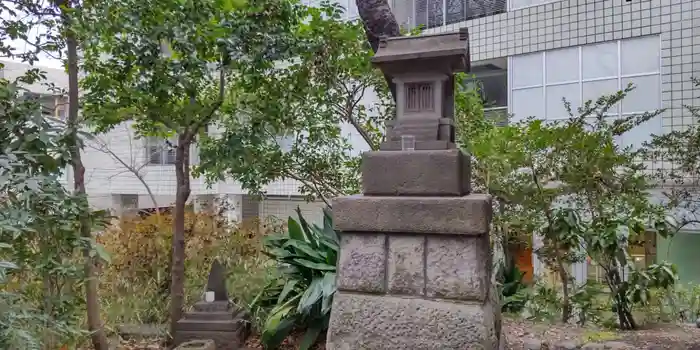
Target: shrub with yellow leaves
column 135, row 285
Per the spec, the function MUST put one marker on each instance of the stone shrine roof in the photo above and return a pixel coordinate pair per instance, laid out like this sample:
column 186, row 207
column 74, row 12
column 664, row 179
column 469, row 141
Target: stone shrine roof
column 450, row 47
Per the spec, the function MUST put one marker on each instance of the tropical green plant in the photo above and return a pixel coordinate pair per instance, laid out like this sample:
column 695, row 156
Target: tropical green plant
column 513, row 290
column 306, row 255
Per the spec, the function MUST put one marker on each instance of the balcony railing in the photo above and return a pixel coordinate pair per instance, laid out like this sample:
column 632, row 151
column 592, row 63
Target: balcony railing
column 437, row 13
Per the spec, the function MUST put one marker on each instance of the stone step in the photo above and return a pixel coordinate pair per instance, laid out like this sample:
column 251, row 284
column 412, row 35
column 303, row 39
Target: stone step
column 210, row 325
column 215, row 306
column 211, row 315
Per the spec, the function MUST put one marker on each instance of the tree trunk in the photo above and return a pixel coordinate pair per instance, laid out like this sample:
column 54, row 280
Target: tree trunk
column 99, row 339
column 565, row 305
column 177, row 275
column 379, row 21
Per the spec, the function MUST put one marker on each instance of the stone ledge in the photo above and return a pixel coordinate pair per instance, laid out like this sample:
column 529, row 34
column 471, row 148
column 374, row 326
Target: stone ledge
column 386, row 323
column 209, row 325
column 419, row 145
column 424, row 173
column 468, row 215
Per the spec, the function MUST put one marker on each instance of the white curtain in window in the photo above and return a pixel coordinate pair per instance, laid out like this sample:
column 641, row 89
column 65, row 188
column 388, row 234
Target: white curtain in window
column 562, row 65
column 555, row 108
column 640, row 55
column 599, row 60
column 527, row 70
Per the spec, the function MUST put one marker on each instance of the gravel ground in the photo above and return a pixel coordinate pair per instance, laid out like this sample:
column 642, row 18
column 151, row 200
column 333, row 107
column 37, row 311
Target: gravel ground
column 519, row 332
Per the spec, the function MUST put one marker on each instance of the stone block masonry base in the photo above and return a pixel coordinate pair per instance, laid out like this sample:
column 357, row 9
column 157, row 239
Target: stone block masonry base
column 374, row 322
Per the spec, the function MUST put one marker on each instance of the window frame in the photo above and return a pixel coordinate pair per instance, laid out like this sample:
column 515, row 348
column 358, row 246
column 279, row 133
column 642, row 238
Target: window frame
column 164, row 156
column 465, row 6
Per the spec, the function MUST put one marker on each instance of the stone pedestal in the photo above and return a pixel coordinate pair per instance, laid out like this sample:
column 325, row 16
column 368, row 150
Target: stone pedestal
column 415, row 262
column 216, row 321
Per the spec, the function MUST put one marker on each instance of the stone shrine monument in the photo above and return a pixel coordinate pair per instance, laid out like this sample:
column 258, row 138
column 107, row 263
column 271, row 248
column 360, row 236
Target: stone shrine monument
column 415, row 262
column 216, row 320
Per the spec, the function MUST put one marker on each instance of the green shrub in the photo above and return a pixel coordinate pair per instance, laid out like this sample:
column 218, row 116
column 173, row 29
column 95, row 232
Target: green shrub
column 135, row 285
column 306, row 257
column 513, row 291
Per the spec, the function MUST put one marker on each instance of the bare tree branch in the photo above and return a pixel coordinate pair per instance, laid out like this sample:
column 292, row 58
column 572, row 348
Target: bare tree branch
column 131, row 167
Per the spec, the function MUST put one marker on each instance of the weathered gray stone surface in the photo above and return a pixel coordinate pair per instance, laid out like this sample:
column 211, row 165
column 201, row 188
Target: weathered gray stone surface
column 206, row 344
column 467, row 215
column 458, row 267
column 593, row 346
column 141, row 331
column 223, row 340
column 361, row 264
column 217, row 281
column 360, row 321
column 406, row 265
column 424, row 173
column 532, row 344
column 565, row 345
column 420, row 145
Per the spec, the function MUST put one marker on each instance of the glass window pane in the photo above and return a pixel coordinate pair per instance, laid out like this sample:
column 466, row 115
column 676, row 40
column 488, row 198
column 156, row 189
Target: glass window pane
column 645, row 97
column 527, row 103
column 593, row 90
column 555, row 105
column 527, row 70
column 640, row 55
column 636, row 136
column 435, row 13
column 562, row 65
column 599, row 60
column 494, row 90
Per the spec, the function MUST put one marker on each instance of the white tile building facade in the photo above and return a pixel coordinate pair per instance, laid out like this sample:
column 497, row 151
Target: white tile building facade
column 529, row 54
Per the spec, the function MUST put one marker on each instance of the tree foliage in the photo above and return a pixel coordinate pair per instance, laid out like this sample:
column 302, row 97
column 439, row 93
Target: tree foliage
column 679, row 150
column 571, row 184
column 173, row 68
column 39, row 226
column 294, row 114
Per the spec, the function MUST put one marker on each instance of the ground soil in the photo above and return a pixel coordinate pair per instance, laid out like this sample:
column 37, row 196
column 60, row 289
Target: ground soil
column 517, row 332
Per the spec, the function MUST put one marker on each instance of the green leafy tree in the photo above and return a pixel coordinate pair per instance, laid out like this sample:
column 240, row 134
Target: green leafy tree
column 48, row 30
column 40, row 225
column 680, row 150
column 173, row 68
column 571, row 184
column 292, row 128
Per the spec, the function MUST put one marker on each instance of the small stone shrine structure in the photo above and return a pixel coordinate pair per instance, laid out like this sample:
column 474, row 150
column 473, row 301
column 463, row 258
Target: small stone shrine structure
column 218, row 320
column 415, row 262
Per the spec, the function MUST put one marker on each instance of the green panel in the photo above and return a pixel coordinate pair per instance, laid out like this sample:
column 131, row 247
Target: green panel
column 684, row 251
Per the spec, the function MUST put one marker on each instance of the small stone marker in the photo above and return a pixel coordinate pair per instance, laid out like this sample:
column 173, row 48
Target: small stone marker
column 217, row 281
column 216, row 321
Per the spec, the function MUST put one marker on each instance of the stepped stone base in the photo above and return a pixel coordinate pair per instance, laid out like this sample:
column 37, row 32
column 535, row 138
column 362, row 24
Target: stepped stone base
column 215, row 321
column 379, row 322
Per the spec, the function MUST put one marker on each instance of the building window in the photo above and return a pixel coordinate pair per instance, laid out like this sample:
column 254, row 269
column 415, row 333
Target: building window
column 492, row 84
column 160, row 151
column 539, row 81
column 436, row 13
